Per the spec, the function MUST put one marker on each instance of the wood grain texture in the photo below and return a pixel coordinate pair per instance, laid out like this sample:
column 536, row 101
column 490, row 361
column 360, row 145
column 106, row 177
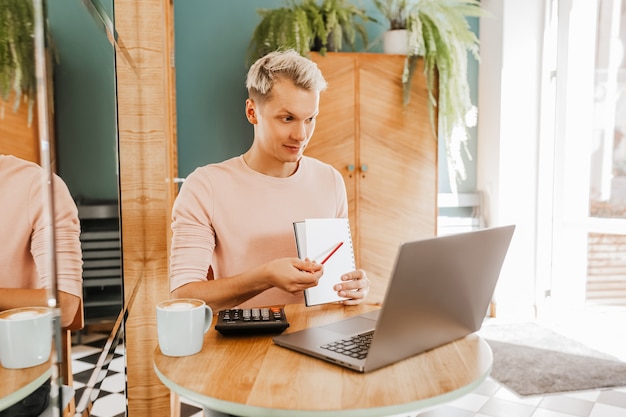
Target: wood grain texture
column 255, row 372
column 337, row 126
column 363, row 122
column 16, row 379
column 17, row 138
column 146, row 143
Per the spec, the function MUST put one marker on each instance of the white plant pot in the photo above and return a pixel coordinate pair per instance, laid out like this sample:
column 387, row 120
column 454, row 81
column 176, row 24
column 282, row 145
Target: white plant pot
column 395, row 41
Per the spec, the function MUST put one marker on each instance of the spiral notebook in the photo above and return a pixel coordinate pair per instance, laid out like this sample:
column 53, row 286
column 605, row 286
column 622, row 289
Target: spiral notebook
column 327, row 241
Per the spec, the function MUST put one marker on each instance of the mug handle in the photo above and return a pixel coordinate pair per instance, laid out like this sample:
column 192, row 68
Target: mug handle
column 208, row 318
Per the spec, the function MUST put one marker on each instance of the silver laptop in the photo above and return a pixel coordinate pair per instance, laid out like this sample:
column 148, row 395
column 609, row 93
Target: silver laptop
column 439, row 292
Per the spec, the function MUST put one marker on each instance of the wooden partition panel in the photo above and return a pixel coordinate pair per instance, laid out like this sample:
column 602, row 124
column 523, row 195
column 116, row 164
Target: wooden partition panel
column 386, row 152
column 146, row 147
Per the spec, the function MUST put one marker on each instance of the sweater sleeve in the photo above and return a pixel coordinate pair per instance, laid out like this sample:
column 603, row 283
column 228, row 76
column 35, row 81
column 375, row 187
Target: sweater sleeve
column 193, row 236
column 67, row 237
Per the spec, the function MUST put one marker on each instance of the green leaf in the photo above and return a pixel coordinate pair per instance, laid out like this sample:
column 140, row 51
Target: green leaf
column 17, row 55
column 440, row 33
column 301, row 24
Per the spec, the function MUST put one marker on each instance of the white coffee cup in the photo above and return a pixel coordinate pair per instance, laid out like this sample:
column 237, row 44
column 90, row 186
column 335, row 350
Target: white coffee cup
column 25, row 337
column 181, row 325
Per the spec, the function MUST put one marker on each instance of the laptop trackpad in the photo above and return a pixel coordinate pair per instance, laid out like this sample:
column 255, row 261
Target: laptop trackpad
column 354, row 325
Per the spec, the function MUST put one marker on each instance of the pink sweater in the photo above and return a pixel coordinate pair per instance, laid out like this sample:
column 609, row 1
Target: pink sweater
column 231, row 218
column 24, row 230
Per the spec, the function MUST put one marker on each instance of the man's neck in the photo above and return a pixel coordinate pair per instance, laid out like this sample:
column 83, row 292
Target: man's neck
column 271, row 168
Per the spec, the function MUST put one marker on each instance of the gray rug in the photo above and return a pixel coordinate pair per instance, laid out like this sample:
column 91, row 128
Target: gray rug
column 532, row 360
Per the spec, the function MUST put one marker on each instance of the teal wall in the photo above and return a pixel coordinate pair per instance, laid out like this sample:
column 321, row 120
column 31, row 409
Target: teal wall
column 211, row 38
column 85, row 101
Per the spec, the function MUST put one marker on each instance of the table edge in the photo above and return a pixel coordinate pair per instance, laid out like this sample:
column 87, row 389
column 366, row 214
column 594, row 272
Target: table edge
column 26, row 390
column 254, row 411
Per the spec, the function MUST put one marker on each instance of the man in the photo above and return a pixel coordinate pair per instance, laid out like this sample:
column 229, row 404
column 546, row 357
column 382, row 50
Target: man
column 25, row 274
column 232, row 223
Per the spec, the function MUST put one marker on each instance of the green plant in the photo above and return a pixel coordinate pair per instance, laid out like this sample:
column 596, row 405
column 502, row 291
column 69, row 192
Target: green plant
column 342, row 21
column 17, row 55
column 439, row 32
column 395, row 11
column 306, row 25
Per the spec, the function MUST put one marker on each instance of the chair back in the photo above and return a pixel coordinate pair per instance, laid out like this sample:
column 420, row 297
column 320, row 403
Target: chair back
column 65, row 368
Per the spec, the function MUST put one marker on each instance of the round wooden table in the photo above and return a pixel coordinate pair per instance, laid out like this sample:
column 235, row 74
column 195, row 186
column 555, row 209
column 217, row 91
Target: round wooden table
column 251, row 376
column 17, row 384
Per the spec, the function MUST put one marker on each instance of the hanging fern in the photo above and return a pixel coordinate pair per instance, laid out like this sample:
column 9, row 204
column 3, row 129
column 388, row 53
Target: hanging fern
column 17, row 57
column 439, row 32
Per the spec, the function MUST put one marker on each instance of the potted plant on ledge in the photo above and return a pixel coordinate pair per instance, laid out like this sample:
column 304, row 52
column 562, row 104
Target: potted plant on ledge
column 395, row 39
column 438, row 32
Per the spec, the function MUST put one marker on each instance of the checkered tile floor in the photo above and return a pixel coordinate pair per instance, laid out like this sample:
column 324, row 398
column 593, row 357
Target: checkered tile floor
column 491, row 399
column 110, row 399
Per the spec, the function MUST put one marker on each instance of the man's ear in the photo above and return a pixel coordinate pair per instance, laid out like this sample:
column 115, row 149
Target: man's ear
column 251, row 111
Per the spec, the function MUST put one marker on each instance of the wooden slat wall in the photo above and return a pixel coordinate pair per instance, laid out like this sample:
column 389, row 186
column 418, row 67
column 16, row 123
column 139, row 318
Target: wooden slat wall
column 147, row 151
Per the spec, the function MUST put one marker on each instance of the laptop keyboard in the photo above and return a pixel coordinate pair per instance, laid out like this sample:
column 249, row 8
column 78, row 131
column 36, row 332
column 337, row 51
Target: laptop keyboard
column 355, row 346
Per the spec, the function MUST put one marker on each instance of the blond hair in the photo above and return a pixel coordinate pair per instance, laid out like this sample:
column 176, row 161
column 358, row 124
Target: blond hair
column 288, row 64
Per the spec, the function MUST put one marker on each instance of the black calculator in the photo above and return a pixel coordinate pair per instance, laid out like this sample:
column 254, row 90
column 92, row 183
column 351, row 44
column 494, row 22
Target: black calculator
column 251, row 321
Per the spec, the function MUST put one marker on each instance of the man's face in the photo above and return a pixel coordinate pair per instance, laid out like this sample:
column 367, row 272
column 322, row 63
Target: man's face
column 285, row 123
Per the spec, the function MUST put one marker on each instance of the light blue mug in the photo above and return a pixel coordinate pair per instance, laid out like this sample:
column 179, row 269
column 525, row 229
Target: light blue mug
column 181, row 325
column 25, row 337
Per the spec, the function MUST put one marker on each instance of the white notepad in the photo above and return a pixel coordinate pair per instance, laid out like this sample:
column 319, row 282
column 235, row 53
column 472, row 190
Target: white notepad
column 316, row 239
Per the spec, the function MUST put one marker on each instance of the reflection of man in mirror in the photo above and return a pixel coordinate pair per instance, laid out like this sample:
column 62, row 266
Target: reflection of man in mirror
column 24, row 255
column 232, row 223
column 24, row 251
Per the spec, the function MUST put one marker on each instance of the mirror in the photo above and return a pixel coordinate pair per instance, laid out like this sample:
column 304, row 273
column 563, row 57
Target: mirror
column 40, row 225
column 72, row 131
column 85, row 127
column 28, row 262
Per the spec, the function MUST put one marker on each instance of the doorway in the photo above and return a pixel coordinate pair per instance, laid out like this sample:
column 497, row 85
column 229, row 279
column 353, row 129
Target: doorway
column 586, row 94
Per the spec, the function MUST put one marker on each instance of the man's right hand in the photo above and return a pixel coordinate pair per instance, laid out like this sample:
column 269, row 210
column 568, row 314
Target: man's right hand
column 294, row 275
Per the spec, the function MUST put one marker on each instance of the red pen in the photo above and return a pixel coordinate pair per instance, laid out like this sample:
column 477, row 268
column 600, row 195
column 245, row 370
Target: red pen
column 332, row 253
